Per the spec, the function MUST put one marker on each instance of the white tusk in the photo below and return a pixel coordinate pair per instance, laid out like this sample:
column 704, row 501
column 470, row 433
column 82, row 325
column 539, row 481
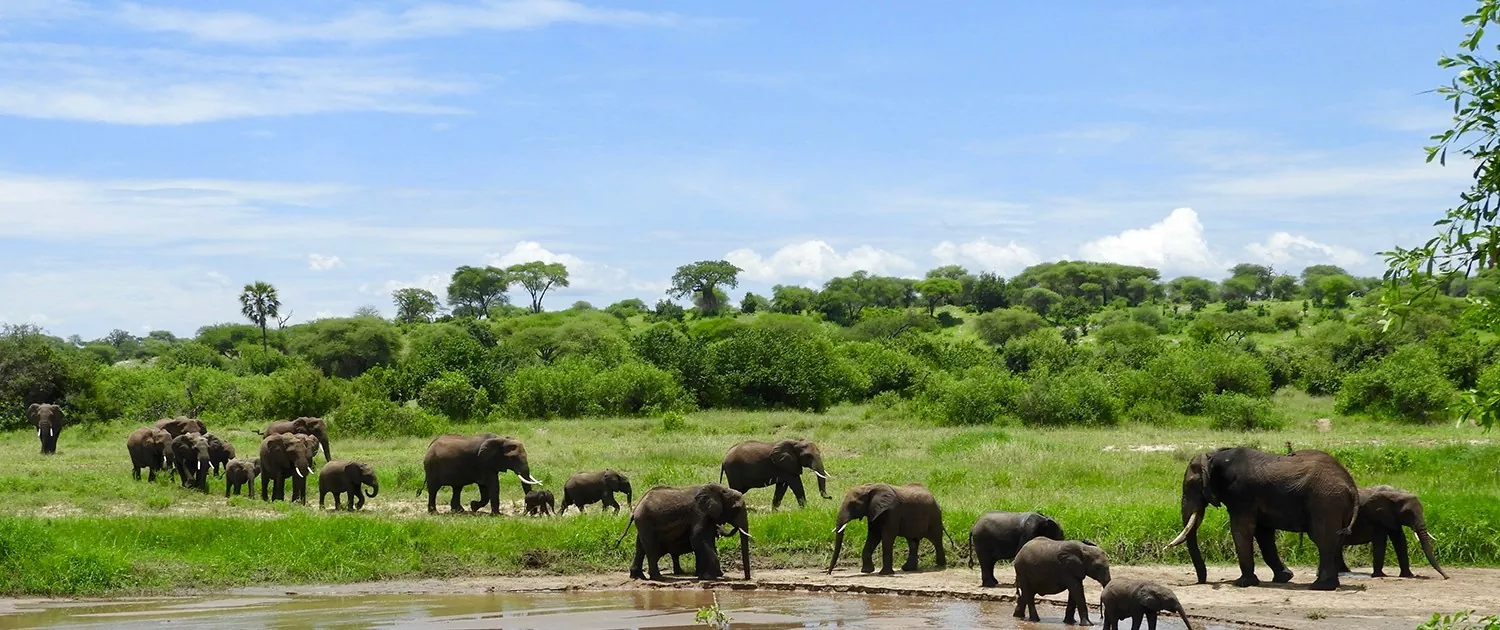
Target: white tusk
column 840, row 530
column 298, row 471
column 51, row 432
column 39, row 432
column 745, row 534
column 820, row 475
column 530, row 481
column 1192, row 521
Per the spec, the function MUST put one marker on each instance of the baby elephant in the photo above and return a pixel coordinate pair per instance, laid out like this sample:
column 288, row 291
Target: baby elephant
column 239, row 473
column 1136, row 599
column 998, row 536
column 593, row 487
column 539, row 502
column 1048, row 567
column 1384, row 513
column 219, row 452
column 341, row 477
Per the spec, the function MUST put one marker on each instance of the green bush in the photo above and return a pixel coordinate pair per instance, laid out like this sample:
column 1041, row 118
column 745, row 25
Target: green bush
column 1000, row 326
column 665, row 347
column 383, row 418
column 1286, row 319
column 1129, row 343
column 1408, row 386
column 551, row 391
column 1238, row 412
column 297, row 391
column 1039, row 350
column 193, row 354
column 634, row 389
column 1318, row 375
column 761, row 369
column 345, row 347
column 33, row 369
column 1078, row 396
column 881, row 368
column 982, row 396
column 1181, row 377
column 449, row 394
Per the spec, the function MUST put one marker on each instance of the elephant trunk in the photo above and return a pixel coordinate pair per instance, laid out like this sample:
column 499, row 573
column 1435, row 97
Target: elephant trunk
column 629, row 505
column 745, row 551
column 822, row 481
column 327, row 452
column 838, row 538
column 1426, row 540
column 1181, row 612
column 374, row 487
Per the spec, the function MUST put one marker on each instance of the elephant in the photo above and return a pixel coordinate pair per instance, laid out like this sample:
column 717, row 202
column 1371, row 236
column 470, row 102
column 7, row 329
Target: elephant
column 180, row 425
column 219, row 453
column 283, row 456
column 240, row 472
column 1307, row 491
column 675, row 520
column 48, row 420
column 539, row 502
column 190, row 456
column 908, row 511
column 148, row 449
column 1135, row 599
column 459, row 460
column 1047, row 567
column 753, row 464
column 1383, row 511
column 593, row 487
column 341, row 477
column 999, row 535
column 306, row 426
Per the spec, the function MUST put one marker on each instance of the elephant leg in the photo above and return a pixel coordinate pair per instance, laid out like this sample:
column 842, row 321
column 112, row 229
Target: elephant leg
column 1243, row 528
column 887, row 549
column 323, row 498
column 360, row 494
column 1151, row 620
column 455, row 505
column 939, row 551
column 150, row 475
column 705, row 551
column 1377, row 554
column 986, row 567
column 798, row 491
column 299, row 488
column 1021, row 597
column 264, row 479
column 136, row 473
column 867, row 555
column 677, row 565
column 780, row 492
column 1266, row 537
column 636, row 572
column 226, row 489
column 1398, row 540
column 611, row 503
column 1330, row 556
column 484, row 494
column 911, row 554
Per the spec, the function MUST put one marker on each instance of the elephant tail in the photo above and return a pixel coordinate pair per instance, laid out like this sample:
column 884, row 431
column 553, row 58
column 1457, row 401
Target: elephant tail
column 1353, row 517
column 627, row 531
column 721, row 474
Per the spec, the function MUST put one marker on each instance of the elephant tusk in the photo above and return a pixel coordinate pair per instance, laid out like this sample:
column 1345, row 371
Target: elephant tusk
column 821, row 475
column 745, row 534
column 530, row 481
column 1191, row 525
column 298, row 471
column 840, row 529
column 39, row 432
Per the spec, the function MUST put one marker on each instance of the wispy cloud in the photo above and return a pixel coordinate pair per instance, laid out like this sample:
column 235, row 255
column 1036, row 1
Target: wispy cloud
column 817, row 261
column 319, row 262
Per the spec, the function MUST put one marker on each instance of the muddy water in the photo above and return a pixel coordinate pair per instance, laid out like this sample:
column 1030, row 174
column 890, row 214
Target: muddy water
column 610, row 609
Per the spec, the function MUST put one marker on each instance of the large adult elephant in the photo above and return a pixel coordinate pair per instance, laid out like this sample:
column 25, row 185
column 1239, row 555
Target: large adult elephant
column 190, row 456
column 998, row 536
column 315, row 427
column 285, row 456
column 460, row 460
column 48, row 420
column 1383, row 512
column 753, row 464
column 672, row 520
column 908, row 511
column 180, row 425
column 594, row 487
column 1307, row 491
column 148, row 447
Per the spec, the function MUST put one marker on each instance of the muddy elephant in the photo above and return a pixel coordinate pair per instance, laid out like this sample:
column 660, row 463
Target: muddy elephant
column 182, row 424
column 1047, row 567
column 240, row 473
column 315, row 427
column 1134, row 599
column 1307, row 491
column 997, row 536
column 148, row 448
column 285, row 456
column 459, row 460
column 48, row 420
column 347, row 478
column 671, row 521
column 593, row 487
column 753, row 464
column 908, row 511
column 190, row 457
column 219, row 453
column 1383, row 512
column 539, row 502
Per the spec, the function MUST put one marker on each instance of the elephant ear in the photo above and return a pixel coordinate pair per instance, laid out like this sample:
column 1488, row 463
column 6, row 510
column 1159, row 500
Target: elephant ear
column 1209, row 493
column 1072, row 562
column 882, row 500
column 353, row 473
column 31, row 412
column 709, row 504
column 784, row 456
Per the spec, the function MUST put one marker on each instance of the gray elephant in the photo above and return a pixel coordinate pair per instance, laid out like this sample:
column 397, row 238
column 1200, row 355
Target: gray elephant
column 671, row 521
column 593, row 487
column 239, row 473
column 753, row 464
column 459, row 460
column 997, row 536
column 1307, row 491
column 315, row 427
column 48, row 420
column 347, row 478
column 190, row 456
column 285, row 456
column 539, row 502
column 1383, row 512
column 181, row 424
column 1047, row 567
column 219, row 452
column 908, row 511
column 148, row 448
column 1134, row 599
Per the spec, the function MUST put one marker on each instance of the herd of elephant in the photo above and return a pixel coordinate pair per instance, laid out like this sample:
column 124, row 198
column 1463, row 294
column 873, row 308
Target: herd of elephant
column 1307, row 491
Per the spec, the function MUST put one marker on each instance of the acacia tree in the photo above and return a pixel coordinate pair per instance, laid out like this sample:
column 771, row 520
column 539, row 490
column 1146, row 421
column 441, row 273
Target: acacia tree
column 259, row 304
column 414, row 305
column 939, row 290
column 473, row 290
column 701, row 279
column 537, row 278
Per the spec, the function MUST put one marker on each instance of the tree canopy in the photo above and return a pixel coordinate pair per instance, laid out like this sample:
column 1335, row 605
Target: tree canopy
column 473, row 290
column 537, row 278
column 701, row 279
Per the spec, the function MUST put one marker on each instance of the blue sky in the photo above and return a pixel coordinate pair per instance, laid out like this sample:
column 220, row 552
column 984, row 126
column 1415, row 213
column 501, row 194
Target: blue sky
column 155, row 156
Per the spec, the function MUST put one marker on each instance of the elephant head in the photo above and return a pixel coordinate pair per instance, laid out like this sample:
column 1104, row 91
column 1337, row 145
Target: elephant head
column 1085, row 559
column 1199, row 490
column 357, row 473
column 617, row 482
column 290, row 450
column 161, row 442
column 1160, row 598
column 315, row 427
column 1043, row 526
column 791, row 456
column 715, row 506
column 500, row 454
column 190, row 452
column 47, row 419
column 871, row 501
column 1394, row 509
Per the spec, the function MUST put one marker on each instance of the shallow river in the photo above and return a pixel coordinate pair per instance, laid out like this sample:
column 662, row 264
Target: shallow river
column 608, row 609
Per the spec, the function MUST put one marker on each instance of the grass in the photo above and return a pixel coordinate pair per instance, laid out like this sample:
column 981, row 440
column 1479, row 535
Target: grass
column 76, row 523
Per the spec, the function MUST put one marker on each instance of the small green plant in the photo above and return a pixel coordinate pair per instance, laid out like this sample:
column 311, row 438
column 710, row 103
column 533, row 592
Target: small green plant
column 712, row 616
column 1461, row 621
column 1316, row 614
column 673, row 421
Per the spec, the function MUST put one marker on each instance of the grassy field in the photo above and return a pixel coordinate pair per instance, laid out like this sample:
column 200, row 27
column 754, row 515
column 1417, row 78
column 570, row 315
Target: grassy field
column 76, row 523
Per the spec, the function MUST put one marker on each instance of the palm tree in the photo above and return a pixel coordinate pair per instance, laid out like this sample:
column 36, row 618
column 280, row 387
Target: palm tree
column 258, row 303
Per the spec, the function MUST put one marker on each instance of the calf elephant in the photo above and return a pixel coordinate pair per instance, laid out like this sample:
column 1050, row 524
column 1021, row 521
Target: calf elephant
column 593, row 487
column 1135, row 599
column 48, row 420
column 754, row 464
column 1307, row 491
column 148, row 449
column 460, row 460
column 997, row 536
column 315, row 427
column 346, row 478
column 1047, row 567
column 539, row 502
column 674, row 520
column 238, row 474
column 1383, row 512
column 190, row 456
column 219, row 452
column 284, row 456
column 181, row 424
column 908, row 511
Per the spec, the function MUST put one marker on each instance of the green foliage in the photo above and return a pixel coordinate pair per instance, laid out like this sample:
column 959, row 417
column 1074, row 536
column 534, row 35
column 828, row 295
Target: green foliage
column 1077, row 396
column 881, row 368
column 753, row 303
column 299, row 390
column 449, row 394
column 981, row 396
column 1181, row 378
column 260, row 305
column 1040, row 350
column 472, row 291
column 538, row 278
column 552, row 391
column 414, row 305
column 635, row 389
column 1000, row 326
column 33, row 369
column 701, row 279
column 384, row 419
column 345, row 347
column 760, row 369
column 1461, row 621
column 792, row 300
column 1238, row 412
column 1407, row 385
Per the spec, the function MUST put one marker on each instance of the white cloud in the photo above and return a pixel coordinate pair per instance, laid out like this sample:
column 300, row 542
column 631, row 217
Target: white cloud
column 1174, row 244
column 817, row 260
column 582, row 275
column 1283, row 248
column 1005, row 259
column 319, row 262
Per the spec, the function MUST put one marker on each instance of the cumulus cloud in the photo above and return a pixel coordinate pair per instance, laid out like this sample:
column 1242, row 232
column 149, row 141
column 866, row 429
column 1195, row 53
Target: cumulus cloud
column 1283, row 248
column 1006, row 259
column 1174, row 244
column 319, row 262
column 583, row 275
column 817, row 260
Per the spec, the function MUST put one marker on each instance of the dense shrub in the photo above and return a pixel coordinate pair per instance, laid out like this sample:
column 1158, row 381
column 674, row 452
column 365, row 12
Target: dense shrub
column 32, row 369
column 1181, row 377
column 881, row 368
column 449, row 394
column 633, row 389
column 299, row 390
column 382, row 418
column 663, row 346
column 1238, row 412
column 551, row 391
column 1128, row 343
column 1078, row 396
column 759, row 369
column 192, row 354
column 1000, row 326
column 345, row 347
column 447, row 347
column 1408, row 385
column 1286, row 319
column 982, row 396
column 1042, row 349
